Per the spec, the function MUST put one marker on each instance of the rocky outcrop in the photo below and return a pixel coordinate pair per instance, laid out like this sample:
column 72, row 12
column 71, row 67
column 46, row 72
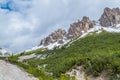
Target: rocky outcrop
column 110, row 17
column 78, row 28
column 54, row 37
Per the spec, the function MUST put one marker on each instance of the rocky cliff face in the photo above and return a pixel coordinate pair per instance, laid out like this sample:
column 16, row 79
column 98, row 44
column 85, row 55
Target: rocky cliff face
column 110, row 17
column 76, row 29
column 54, row 37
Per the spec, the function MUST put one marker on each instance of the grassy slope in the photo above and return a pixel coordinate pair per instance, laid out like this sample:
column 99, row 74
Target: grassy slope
column 97, row 53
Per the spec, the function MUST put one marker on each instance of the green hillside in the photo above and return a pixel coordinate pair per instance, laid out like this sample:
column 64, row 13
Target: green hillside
column 96, row 53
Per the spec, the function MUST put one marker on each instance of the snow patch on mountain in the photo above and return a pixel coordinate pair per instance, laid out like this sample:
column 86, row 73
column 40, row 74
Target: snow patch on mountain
column 33, row 48
column 112, row 29
column 53, row 45
column 50, row 46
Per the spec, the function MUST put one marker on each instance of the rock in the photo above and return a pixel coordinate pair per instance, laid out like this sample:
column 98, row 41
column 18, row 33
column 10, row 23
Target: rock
column 78, row 28
column 54, row 37
column 110, row 17
column 61, row 41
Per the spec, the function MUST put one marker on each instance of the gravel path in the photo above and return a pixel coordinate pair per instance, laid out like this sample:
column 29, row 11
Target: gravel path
column 12, row 72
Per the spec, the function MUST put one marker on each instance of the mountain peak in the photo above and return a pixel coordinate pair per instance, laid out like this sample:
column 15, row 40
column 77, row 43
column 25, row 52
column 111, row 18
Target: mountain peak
column 76, row 29
column 54, row 37
column 85, row 19
column 110, row 17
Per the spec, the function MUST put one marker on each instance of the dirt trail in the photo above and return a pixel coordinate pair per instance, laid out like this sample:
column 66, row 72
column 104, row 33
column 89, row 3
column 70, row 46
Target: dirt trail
column 12, row 72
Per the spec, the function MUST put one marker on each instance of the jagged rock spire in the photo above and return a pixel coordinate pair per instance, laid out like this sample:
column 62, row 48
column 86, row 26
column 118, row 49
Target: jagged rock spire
column 76, row 29
column 110, row 17
column 54, row 37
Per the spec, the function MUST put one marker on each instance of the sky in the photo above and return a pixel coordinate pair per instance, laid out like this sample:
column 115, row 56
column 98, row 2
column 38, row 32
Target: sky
column 23, row 23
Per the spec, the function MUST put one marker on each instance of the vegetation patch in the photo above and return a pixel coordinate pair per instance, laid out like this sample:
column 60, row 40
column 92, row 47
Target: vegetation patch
column 96, row 53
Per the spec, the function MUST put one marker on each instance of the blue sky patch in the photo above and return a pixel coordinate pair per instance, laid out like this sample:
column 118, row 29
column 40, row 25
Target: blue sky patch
column 6, row 6
column 10, row 5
